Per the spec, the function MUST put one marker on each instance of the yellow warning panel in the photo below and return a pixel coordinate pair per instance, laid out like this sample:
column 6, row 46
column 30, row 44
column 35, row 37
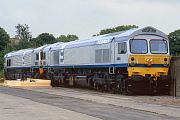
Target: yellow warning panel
column 28, row 83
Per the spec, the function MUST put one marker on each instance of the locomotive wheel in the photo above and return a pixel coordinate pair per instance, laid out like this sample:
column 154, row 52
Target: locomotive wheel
column 128, row 91
column 120, row 84
column 163, row 87
column 52, row 83
column 90, row 82
column 66, row 82
column 96, row 86
column 128, row 88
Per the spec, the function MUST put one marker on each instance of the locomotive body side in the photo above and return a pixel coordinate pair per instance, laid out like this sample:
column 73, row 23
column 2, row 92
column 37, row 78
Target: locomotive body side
column 84, row 61
column 18, row 64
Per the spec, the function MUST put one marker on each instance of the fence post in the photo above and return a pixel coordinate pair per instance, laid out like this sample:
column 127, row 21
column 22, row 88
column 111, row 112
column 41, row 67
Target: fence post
column 175, row 76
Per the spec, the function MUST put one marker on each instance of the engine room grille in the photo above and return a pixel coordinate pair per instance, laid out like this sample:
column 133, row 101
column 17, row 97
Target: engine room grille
column 102, row 56
column 56, row 57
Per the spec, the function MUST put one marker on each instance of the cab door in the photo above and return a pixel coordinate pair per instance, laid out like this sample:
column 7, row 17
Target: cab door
column 121, row 57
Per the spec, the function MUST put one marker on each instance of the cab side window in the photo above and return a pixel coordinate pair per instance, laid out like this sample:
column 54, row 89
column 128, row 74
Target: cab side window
column 122, row 48
column 37, row 56
column 9, row 62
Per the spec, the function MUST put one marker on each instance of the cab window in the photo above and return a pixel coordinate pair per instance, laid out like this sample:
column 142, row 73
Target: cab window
column 158, row 46
column 122, row 48
column 138, row 46
column 9, row 62
column 37, row 56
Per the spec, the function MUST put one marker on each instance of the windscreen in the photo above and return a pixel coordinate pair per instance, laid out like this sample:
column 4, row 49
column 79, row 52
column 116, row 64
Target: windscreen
column 138, row 46
column 158, row 46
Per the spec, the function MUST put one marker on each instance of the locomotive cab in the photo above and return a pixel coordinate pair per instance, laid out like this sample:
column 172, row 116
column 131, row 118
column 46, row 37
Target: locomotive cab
column 148, row 62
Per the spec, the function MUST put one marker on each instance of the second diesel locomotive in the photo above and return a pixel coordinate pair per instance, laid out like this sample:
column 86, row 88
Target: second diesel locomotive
column 135, row 60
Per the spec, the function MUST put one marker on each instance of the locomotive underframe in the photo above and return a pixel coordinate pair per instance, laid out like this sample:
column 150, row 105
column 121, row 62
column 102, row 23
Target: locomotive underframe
column 100, row 79
column 96, row 78
column 147, row 84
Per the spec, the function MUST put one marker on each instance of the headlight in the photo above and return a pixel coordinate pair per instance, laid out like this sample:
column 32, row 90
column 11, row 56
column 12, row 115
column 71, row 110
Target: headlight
column 165, row 62
column 132, row 64
column 132, row 58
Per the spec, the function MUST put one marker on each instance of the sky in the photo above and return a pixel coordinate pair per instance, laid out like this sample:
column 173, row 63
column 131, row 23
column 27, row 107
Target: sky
column 87, row 17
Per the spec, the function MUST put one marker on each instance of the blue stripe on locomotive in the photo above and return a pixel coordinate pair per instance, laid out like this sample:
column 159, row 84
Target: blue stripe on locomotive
column 125, row 65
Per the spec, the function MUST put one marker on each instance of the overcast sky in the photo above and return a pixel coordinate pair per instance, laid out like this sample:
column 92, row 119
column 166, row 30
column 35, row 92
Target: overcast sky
column 86, row 17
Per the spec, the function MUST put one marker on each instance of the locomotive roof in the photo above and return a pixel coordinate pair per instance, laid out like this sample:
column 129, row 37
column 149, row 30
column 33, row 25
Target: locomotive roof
column 59, row 46
column 117, row 36
column 39, row 48
column 102, row 39
column 19, row 52
column 48, row 47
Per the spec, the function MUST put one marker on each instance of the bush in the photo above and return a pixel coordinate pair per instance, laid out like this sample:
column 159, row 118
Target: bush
column 1, row 77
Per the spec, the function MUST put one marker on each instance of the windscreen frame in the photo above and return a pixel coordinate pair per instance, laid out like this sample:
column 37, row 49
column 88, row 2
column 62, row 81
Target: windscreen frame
column 138, row 52
column 158, row 40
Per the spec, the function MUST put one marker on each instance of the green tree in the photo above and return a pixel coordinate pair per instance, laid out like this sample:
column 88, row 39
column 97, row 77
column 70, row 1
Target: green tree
column 23, row 44
column 42, row 39
column 1, row 60
column 4, row 38
column 174, row 38
column 23, row 32
column 116, row 29
column 68, row 38
column 24, row 37
column 8, row 48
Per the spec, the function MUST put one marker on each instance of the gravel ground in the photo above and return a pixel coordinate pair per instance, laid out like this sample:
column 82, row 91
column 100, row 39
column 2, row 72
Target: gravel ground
column 143, row 103
column 161, row 100
column 18, row 108
column 70, row 104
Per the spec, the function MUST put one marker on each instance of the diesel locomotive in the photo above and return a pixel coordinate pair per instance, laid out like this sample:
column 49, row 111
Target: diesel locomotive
column 136, row 60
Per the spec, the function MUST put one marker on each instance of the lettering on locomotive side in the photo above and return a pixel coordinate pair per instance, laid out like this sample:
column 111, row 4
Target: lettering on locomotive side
column 102, row 41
